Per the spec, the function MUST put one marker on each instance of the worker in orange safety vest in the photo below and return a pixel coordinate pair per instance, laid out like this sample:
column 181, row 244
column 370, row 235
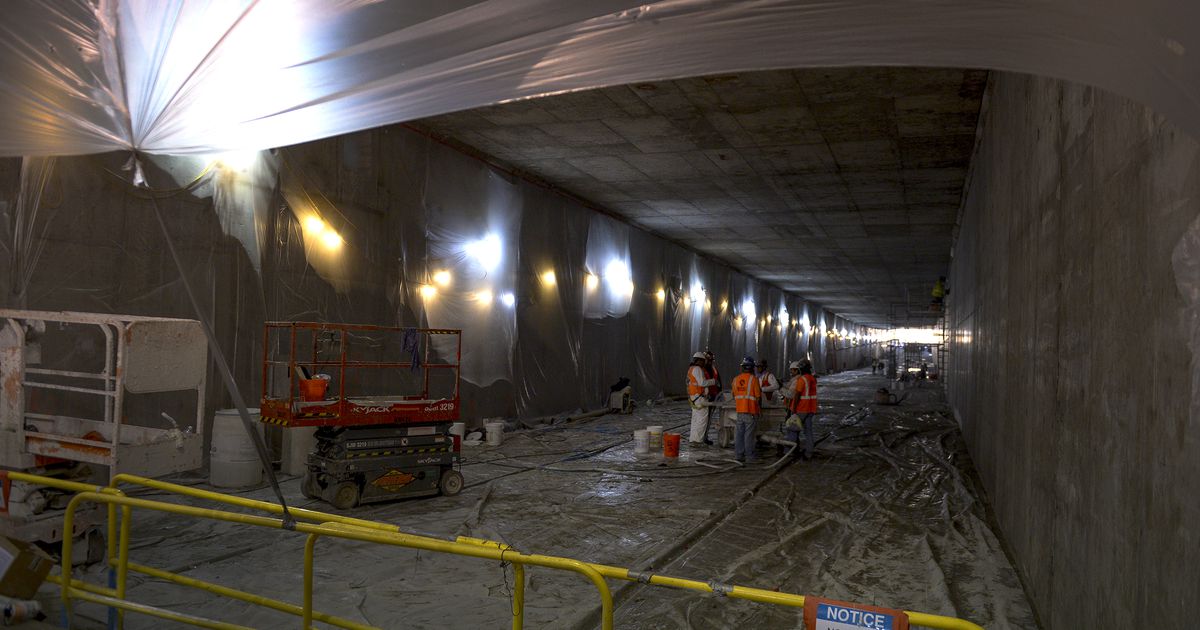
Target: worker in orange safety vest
column 802, row 408
column 766, row 379
column 747, row 394
column 698, row 382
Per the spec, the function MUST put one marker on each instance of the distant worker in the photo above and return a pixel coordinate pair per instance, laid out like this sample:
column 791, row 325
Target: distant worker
column 714, row 391
column 746, row 395
column 698, row 383
column 766, row 379
column 939, row 293
column 803, row 407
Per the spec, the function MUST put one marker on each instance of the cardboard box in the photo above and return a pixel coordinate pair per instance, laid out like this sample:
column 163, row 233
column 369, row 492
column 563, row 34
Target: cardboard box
column 23, row 568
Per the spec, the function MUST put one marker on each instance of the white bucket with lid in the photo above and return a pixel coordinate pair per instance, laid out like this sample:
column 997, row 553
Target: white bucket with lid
column 495, row 433
column 641, row 441
column 233, row 459
column 459, row 429
column 655, row 436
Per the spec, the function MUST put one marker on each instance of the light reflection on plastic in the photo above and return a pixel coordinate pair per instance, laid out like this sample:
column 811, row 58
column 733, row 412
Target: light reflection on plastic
column 661, row 295
column 591, row 282
column 724, row 305
column 749, row 310
column 239, row 161
column 483, row 297
column 331, row 239
column 319, row 231
column 616, row 275
column 508, row 299
column 428, row 291
column 442, row 278
column 486, row 251
column 549, row 278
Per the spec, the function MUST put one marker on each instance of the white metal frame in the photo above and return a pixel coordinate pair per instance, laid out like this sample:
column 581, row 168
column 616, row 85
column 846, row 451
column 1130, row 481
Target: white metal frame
column 147, row 451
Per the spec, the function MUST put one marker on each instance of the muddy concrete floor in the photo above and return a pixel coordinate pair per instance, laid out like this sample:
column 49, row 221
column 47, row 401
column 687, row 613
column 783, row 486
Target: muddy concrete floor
column 888, row 513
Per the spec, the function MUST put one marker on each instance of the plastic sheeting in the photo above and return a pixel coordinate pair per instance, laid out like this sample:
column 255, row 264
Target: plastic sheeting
column 359, row 228
column 889, row 513
column 206, row 75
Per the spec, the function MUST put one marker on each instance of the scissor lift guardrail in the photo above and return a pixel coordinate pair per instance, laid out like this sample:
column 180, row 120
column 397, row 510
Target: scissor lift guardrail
column 315, row 525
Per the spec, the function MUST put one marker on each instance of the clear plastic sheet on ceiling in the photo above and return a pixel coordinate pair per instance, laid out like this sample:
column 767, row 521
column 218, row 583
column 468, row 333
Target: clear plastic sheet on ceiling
column 197, row 76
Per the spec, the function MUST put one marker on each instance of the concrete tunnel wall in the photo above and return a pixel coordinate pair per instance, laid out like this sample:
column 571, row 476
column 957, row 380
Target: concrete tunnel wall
column 1070, row 367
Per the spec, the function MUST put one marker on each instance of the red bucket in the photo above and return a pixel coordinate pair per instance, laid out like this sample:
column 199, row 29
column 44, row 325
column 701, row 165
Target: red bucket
column 671, row 444
column 313, row 389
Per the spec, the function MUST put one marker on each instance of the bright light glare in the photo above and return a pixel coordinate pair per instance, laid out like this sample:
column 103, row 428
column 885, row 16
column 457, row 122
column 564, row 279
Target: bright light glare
column 591, row 282
column 314, row 224
column 784, row 317
column 661, row 295
column 239, row 161
column 428, row 291
column 508, row 299
column 486, row 251
column 749, row 310
column 707, row 305
column 917, row 335
column 484, row 297
column 616, row 274
column 549, row 279
column 724, row 305
column 442, row 277
column 331, row 239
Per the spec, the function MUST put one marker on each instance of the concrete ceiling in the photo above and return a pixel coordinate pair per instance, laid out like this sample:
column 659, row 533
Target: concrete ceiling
column 841, row 185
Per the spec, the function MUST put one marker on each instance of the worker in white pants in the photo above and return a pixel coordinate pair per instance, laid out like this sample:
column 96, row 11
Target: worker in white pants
column 697, row 384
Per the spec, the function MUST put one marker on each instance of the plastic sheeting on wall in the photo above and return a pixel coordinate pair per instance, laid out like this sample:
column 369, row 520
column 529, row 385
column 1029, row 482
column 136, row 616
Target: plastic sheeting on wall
column 360, row 229
column 194, row 76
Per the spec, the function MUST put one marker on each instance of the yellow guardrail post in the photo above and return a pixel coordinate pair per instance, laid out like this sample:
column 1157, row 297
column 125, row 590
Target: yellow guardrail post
column 518, row 596
column 309, row 551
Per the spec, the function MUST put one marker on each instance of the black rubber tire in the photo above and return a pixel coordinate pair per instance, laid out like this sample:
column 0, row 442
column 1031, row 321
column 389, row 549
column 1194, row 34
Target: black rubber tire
column 345, row 495
column 451, row 483
column 309, row 487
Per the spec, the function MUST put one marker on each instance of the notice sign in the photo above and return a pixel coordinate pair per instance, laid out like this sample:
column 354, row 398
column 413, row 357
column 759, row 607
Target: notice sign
column 827, row 614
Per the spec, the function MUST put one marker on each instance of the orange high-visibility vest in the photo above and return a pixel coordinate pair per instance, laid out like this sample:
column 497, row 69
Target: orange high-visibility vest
column 746, row 393
column 715, row 388
column 764, row 382
column 805, row 399
column 693, row 386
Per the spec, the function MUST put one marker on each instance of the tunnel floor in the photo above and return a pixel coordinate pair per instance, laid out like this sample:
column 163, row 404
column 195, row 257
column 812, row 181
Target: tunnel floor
column 889, row 513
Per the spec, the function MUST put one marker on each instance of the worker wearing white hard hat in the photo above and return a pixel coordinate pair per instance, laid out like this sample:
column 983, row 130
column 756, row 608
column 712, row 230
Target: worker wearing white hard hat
column 698, row 383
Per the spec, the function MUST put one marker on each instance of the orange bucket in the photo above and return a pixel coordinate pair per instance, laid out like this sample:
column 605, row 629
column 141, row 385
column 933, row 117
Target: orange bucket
column 671, row 444
column 313, row 389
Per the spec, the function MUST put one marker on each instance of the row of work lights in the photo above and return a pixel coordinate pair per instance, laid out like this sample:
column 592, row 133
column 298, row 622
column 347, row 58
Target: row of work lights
column 487, row 253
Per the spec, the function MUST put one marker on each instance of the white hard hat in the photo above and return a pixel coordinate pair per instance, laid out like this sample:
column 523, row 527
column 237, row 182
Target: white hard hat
column 794, row 365
column 698, row 355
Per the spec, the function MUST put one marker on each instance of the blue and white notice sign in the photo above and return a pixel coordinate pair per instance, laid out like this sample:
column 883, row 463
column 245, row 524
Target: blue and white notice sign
column 830, row 615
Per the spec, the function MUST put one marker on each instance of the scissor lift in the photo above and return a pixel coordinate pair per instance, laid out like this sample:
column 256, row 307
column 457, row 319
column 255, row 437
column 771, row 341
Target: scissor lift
column 370, row 446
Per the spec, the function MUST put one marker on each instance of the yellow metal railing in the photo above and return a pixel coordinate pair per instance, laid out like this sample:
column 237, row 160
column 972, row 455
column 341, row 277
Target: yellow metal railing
column 318, row 524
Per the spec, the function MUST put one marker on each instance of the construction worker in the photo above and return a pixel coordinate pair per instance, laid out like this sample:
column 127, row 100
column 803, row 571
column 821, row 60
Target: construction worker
column 939, row 293
column 766, row 380
column 746, row 395
column 714, row 391
column 698, row 383
column 803, row 406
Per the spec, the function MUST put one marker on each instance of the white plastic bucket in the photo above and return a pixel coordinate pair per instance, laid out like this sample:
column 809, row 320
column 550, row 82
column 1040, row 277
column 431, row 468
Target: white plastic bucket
column 641, row 441
column 655, row 436
column 495, row 433
column 233, row 459
column 459, row 429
